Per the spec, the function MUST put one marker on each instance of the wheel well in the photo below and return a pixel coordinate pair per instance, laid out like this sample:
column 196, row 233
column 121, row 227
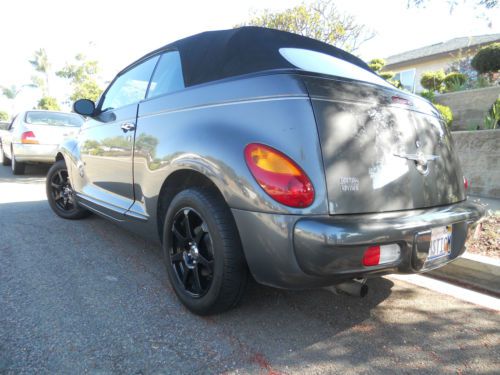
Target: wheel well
column 59, row 156
column 175, row 183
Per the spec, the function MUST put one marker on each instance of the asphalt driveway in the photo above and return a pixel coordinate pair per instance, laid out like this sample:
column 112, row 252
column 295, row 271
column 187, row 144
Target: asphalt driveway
column 88, row 297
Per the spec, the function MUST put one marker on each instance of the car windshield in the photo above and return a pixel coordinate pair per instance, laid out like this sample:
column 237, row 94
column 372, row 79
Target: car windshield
column 318, row 62
column 54, row 119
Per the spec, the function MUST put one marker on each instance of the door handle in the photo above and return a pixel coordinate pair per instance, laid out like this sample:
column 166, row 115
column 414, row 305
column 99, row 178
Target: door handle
column 126, row 126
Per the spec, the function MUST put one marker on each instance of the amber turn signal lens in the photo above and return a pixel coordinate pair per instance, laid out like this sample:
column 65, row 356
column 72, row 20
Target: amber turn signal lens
column 279, row 176
column 29, row 138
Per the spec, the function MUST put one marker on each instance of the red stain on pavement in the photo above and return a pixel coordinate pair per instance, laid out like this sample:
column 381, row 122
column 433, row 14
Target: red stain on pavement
column 264, row 364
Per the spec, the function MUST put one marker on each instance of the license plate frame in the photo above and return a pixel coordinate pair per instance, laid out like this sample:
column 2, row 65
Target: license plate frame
column 440, row 244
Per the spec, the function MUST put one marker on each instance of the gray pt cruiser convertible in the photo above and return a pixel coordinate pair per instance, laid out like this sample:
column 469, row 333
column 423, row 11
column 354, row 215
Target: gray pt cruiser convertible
column 255, row 150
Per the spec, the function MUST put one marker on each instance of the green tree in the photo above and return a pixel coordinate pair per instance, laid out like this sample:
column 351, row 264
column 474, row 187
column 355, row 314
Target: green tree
column 487, row 59
column 82, row 75
column 40, row 63
column 4, row 116
column 376, row 64
column 320, row 20
column 433, row 81
column 11, row 92
column 49, row 103
column 486, row 4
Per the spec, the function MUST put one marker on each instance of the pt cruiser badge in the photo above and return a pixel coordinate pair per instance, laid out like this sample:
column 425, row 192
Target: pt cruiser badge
column 421, row 160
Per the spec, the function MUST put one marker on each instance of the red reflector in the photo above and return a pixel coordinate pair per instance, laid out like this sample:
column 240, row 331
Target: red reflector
column 400, row 100
column 466, row 183
column 28, row 137
column 372, row 256
column 279, row 176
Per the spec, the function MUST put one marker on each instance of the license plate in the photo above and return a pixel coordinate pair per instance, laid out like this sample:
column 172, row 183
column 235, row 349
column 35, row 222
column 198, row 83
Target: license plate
column 440, row 242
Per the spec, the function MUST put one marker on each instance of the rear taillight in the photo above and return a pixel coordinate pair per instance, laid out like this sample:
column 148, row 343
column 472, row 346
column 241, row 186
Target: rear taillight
column 28, row 138
column 400, row 100
column 375, row 255
column 466, row 183
column 279, row 176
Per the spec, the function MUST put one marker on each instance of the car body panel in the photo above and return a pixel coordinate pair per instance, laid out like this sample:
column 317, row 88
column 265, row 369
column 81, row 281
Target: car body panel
column 35, row 153
column 210, row 139
column 297, row 252
column 104, row 175
column 370, row 149
column 337, row 130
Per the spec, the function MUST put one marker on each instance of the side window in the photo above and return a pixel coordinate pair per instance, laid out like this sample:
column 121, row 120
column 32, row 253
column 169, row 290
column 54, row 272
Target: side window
column 168, row 75
column 130, row 87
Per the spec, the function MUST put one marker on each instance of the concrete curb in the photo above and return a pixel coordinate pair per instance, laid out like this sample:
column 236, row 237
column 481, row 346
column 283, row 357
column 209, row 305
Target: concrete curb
column 472, row 270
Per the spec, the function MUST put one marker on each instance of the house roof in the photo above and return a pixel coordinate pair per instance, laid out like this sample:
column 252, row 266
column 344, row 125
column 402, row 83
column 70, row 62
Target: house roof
column 442, row 48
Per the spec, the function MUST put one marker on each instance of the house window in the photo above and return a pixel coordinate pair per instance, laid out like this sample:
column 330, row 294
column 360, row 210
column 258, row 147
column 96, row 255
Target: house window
column 407, row 79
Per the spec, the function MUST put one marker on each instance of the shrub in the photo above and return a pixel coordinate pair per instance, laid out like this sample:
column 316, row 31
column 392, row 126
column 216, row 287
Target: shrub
column 376, row 64
column 446, row 113
column 487, row 59
column 4, row 116
column 432, row 81
column 396, row 83
column 429, row 95
column 386, row 75
column 455, row 81
column 492, row 119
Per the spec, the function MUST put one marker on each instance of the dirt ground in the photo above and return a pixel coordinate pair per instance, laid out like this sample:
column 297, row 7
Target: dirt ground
column 486, row 238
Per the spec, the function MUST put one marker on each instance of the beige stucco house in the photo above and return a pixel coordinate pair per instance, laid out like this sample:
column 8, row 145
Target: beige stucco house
column 410, row 65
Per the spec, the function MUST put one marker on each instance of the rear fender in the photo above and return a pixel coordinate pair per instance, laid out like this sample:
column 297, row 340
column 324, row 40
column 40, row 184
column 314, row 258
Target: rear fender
column 71, row 154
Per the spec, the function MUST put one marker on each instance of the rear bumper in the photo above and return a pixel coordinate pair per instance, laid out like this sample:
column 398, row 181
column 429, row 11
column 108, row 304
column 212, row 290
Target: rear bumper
column 291, row 251
column 35, row 153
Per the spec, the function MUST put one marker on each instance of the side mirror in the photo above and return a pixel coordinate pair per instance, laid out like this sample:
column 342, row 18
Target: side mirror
column 84, row 107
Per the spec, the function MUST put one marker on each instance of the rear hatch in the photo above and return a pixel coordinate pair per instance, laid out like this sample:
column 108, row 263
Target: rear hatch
column 383, row 150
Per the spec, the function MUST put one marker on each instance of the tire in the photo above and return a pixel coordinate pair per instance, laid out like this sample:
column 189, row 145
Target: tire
column 17, row 167
column 5, row 160
column 60, row 194
column 216, row 239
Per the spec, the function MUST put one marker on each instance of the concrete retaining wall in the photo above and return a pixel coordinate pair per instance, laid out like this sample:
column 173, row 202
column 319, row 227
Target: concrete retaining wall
column 469, row 107
column 479, row 153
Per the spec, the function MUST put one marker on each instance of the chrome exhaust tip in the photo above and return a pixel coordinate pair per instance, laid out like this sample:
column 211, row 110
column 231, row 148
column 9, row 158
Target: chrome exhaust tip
column 355, row 288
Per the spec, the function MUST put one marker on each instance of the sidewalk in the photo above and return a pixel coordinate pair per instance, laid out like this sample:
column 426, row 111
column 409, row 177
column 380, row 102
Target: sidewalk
column 474, row 270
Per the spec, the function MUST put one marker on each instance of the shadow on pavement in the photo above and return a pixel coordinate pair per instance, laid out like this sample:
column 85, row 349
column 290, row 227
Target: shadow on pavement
column 86, row 295
column 33, row 174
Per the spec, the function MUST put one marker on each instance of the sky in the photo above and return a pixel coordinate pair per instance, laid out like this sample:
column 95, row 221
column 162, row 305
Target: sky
column 118, row 32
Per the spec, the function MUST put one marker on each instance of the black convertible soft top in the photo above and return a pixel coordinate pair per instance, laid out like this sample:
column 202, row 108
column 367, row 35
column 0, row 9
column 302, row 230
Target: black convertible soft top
column 215, row 55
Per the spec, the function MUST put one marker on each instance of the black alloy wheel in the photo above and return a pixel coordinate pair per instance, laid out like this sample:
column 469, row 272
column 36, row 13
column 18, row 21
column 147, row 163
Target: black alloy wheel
column 192, row 256
column 203, row 253
column 60, row 193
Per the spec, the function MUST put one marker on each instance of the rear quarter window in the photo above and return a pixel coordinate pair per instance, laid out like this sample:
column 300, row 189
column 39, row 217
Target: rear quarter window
column 318, row 62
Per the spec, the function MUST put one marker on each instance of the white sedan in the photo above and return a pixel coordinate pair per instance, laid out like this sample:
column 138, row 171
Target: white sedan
column 34, row 137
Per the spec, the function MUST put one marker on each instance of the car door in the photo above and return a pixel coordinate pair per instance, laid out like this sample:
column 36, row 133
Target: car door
column 167, row 78
column 105, row 172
